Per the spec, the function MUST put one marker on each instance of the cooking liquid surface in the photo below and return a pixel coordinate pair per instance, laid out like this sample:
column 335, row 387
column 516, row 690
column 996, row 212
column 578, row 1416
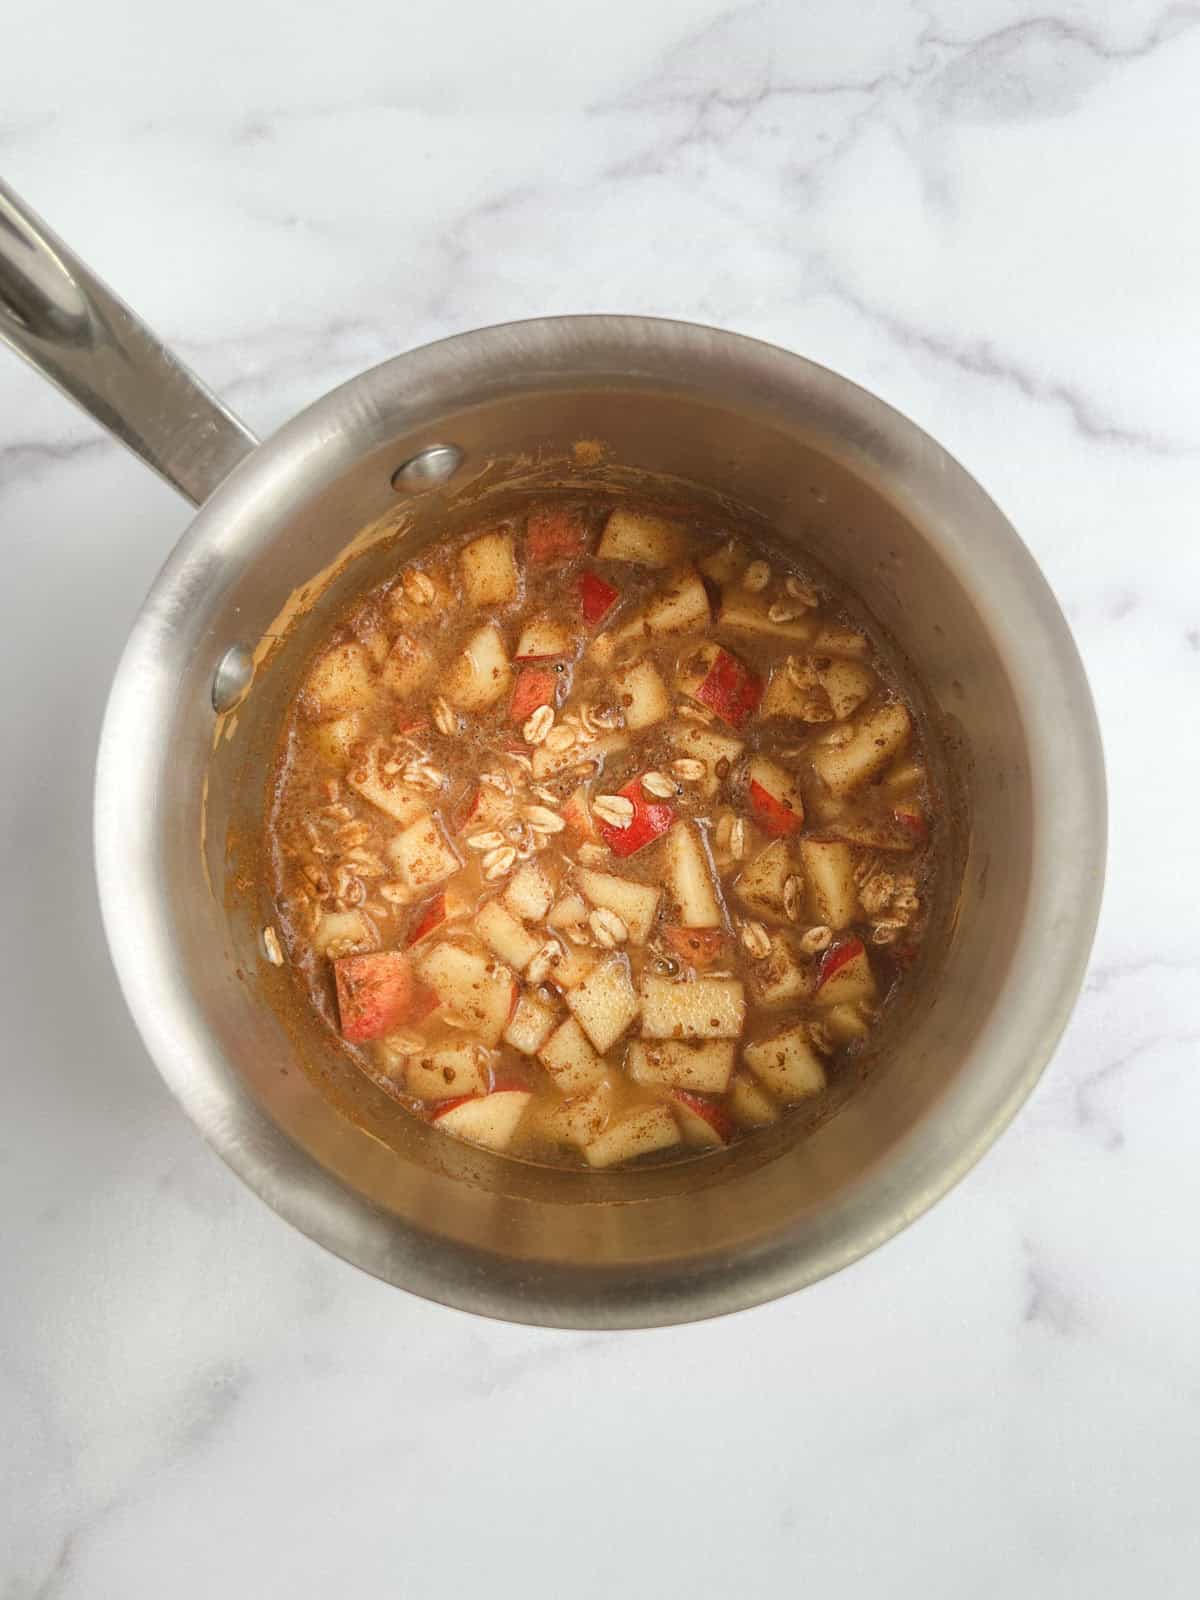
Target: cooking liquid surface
column 600, row 837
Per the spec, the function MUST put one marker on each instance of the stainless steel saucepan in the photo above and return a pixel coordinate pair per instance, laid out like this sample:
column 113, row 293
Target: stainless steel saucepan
column 378, row 468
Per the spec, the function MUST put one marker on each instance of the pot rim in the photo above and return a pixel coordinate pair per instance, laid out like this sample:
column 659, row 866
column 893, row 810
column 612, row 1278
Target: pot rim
column 1067, row 772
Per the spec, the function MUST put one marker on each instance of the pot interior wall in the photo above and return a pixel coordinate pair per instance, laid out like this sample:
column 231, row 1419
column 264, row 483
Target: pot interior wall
column 818, row 489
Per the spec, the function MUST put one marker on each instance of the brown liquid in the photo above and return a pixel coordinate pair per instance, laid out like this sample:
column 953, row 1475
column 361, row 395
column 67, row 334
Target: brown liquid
column 858, row 865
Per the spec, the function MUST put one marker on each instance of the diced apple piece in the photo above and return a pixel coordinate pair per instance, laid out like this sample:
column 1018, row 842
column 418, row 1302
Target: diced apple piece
column 567, row 914
column 570, row 1060
column 795, row 691
column 705, row 1125
column 555, row 534
column 447, row 1071
column 748, row 613
column 877, row 832
column 596, row 600
column 577, row 815
column 903, row 776
column 641, row 537
column 535, row 686
column 530, row 891
column 718, row 751
column 503, row 933
column 699, row 947
column 877, row 738
column 541, row 638
column 730, row 689
column 642, row 694
column 605, row 1003
column 717, row 679
column 530, row 1026
column 481, row 675
column 602, row 650
column 341, row 680
column 641, row 1133
column 694, row 666
column 725, row 563
column 384, row 790
column 829, row 871
column 489, row 570
column 703, row 1067
column 680, row 606
column 407, row 666
column 490, row 1120
column 548, row 763
column 787, row 1064
column 761, row 882
column 774, row 798
column 580, row 1119
column 845, row 1024
column 448, row 905
column 351, row 931
column 821, row 808
column 835, row 639
column 847, row 683
column 377, row 993
column 422, row 855
column 651, row 818
column 845, row 975
column 782, row 978
column 706, row 1008
column 333, row 741
column 751, row 1105
column 388, row 1062
column 570, row 966
column 477, row 987
column 403, row 610
column 634, row 903
column 689, row 877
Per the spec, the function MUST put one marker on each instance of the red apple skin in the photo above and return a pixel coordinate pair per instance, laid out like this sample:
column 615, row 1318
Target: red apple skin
column 731, row 689
column 468, row 810
column 836, row 957
column 716, row 1116
column 912, row 820
column 555, row 533
column 425, row 1001
column 442, row 1106
column 431, row 915
column 772, row 816
column 700, row 947
column 535, row 686
column 651, row 819
column 507, row 1087
column 377, row 993
column 596, row 597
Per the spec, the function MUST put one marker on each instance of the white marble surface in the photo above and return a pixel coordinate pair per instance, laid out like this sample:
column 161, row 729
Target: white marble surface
column 985, row 212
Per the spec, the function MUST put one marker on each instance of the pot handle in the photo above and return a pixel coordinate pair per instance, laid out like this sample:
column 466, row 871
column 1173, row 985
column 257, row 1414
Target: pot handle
column 67, row 324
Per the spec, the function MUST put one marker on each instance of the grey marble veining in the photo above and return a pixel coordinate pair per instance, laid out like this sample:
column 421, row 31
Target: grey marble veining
column 982, row 211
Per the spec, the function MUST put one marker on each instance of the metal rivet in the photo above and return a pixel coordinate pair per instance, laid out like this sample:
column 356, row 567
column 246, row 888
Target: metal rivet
column 435, row 464
column 232, row 678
